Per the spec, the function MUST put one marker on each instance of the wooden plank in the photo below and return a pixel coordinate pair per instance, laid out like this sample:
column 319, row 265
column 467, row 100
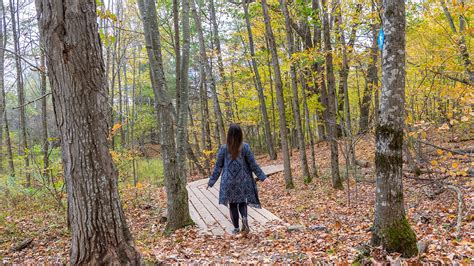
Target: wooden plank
column 225, row 210
column 253, row 215
column 207, row 217
column 210, row 216
column 197, row 218
column 218, row 216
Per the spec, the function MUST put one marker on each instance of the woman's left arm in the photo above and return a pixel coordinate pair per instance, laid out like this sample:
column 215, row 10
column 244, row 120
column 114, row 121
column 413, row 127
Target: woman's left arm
column 218, row 168
column 253, row 164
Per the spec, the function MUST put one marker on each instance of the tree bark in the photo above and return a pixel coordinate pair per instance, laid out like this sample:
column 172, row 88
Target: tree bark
column 209, row 76
column 331, row 102
column 279, row 96
column 220, row 64
column 314, row 169
column 258, row 83
column 391, row 228
column 23, row 147
column 3, row 119
column 182, row 126
column 371, row 81
column 294, row 87
column 317, row 67
column 177, row 195
column 44, row 117
column 99, row 231
column 3, row 112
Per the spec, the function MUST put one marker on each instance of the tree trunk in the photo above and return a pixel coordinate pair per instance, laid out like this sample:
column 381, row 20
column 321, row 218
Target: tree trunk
column 314, row 169
column 391, row 228
column 99, row 231
column 182, row 126
column 331, row 102
column 220, row 64
column 177, row 195
column 44, row 117
column 23, row 146
column 205, row 127
column 371, row 81
column 3, row 120
column 3, row 113
column 177, row 50
column 279, row 96
column 258, row 82
column 210, row 77
column 294, row 87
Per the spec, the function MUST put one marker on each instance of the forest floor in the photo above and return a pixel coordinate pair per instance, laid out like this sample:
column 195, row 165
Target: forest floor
column 319, row 223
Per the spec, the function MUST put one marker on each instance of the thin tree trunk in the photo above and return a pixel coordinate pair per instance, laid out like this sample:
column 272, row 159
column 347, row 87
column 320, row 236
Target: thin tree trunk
column 3, row 112
column 209, row 76
column 220, row 64
column 314, row 169
column 205, row 127
column 177, row 50
column 279, row 96
column 391, row 228
column 331, row 118
column 371, row 81
column 259, row 87
column 175, row 183
column 44, row 117
column 23, row 147
column 3, row 117
column 323, row 121
column 99, row 231
column 294, row 87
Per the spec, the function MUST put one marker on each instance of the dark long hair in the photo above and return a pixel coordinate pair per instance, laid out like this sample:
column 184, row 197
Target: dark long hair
column 234, row 140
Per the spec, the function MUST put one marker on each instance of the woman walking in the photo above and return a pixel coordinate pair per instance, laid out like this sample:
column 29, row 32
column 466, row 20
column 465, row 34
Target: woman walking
column 238, row 188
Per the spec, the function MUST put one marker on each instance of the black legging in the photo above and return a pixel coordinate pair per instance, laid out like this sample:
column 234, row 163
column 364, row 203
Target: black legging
column 235, row 208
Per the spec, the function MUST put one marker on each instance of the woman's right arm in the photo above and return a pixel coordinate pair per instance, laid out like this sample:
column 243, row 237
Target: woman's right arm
column 218, row 168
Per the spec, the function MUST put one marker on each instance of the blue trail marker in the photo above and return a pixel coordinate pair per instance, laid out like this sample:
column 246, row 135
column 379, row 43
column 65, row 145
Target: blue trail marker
column 381, row 39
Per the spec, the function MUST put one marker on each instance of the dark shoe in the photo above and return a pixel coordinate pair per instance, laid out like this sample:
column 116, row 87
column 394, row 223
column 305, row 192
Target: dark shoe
column 235, row 231
column 245, row 226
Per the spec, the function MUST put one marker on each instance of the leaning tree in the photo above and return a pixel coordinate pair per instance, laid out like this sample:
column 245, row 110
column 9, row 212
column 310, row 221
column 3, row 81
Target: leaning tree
column 75, row 66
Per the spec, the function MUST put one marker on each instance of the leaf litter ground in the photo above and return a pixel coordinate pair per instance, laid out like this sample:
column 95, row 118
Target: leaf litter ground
column 319, row 224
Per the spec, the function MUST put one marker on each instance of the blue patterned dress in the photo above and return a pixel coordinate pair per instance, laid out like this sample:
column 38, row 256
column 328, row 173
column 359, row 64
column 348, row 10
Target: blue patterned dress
column 237, row 182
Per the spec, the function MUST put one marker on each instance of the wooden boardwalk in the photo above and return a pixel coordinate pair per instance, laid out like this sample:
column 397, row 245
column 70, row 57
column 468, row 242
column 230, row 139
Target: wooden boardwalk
column 213, row 218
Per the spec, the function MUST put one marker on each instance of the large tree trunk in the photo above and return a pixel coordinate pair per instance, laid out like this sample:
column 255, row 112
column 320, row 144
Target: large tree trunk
column 100, row 234
column 258, row 83
column 209, row 76
column 177, row 195
column 331, row 112
column 391, row 228
column 279, row 96
column 294, row 87
column 21, row 92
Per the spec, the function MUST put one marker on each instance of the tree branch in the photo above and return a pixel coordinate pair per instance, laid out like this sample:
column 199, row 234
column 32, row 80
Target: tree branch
column 32, row 101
